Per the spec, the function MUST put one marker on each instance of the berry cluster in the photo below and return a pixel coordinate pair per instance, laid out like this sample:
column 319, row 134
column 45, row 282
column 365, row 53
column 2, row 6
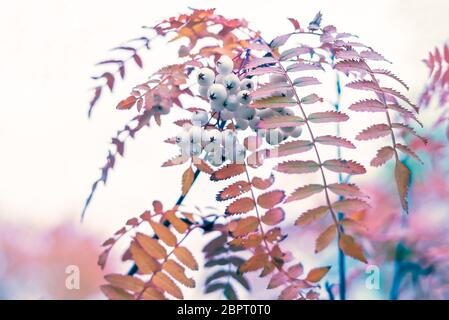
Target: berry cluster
column 219, row 145
column 230, row 99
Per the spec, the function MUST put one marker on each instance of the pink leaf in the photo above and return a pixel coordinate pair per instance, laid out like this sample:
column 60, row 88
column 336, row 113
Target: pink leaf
column 297, row 166
column 327, row 116
column 305, row 81
column 374, row 132
column 383, row 155
column 369, row 105
column 335, row 141
column 344, row 166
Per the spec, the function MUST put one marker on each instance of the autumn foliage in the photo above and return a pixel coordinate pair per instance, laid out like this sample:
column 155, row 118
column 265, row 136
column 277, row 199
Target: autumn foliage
column 288, row 73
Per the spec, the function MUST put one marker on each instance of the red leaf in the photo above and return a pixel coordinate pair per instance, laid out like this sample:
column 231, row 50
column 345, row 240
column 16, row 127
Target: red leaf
column 127, row 103
column 240, row 206
column 262, row 184
column 295, row 23
column 138, row 60
column 234, row 190
column 228, row 171
column 446, row 53
column 269, row 199
column 273, row 216
column 109, row 80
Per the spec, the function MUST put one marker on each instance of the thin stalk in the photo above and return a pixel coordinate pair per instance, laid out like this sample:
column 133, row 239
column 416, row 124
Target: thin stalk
column 341, row 255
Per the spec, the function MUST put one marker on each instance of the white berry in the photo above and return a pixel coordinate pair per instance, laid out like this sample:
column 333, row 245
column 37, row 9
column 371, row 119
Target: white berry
column 199, row 118
column 232, row 83
column 203, row 91
column 217, row 93
column 254, row 122
column 245, row 113
column 226, row 115
column 219, row 79
column 231, row 103
column 224, row 65
column 247, row 84
column 182, row 138
column 241, row 124
column 205, row 77
column 296, row 133
column 217, row 106
column 244, row 97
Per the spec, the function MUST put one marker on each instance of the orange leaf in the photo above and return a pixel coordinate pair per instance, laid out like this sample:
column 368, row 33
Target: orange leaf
column 127, row 103
column 351, row 248
column 202, row 165
column 243, row 226
column 178, row 273
column 256, row 262
column 164, row 233
column 311, row 216
column 242, row 205
column 304, row 192
column 262, row 184
column 269, row 199
column 152, row 294
column 145, row 262
column 234, row 190
column 165, row 283
column 151, row 246
column 273, row 216
column 228, row 171
column 177, row 223
column 350, row 205
column 402, row 177
column 325, row 238
column 185, row 256
column 114, row 293
column 187, row 180
column 125, row 282
column 317, row 274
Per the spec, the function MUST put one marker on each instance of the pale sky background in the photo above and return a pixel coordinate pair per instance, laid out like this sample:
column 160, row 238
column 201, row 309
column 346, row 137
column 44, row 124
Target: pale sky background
column 50, row 151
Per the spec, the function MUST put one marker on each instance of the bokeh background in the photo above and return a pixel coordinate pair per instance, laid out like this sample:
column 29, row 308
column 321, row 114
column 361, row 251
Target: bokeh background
column 51, row 152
